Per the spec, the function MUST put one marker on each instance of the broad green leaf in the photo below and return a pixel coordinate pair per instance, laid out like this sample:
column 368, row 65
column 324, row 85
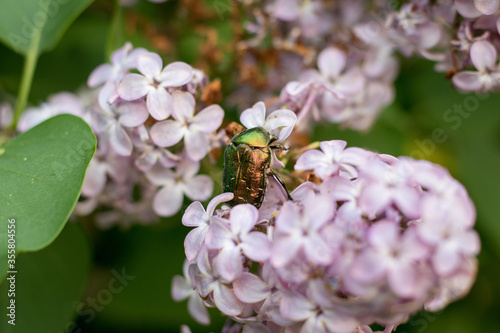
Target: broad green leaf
column 41, row 176
column 48, row 285
column 35, row 26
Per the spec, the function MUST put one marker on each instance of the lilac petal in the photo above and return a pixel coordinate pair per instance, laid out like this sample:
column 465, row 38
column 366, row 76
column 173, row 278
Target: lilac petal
column 224, row 197
column 187, row 168
column 487, row 7
column 310, row 160
column 284, row 250
column 167, row 133
column 196, row 144
column 119, row 56
column 166, row 158
column 317, row 250
column 131, row 60
column 218, row 235
column 331, row 61
column 159, row 103
column 199, row 187
column 288, row 218
column 228, row 263
column 256, row 246
column 194, row 215
column 408, row 200
column 296, row 307
column 95, row 178
column 249, row 288
column 483, row 55
column 134, row 86
column 100, row 75
column 383, row 234
column 286, row 10
column 351, row 82
column 119, row 139
column 243, row 218
column 333, row 149
column 467, row 80
column 402, row 278
column 180, row 289
column 30, row 118
column 284, row 119
column 446, row 259
column 168, row 200
column 367, row 267
column 430, row 34
column 254, row 116
column 183, row 106
column 294, row 88
column 226, row 301
column 318, row 211
column 314, row 324
column 176, row 74
column 374, row 198
column 197, row 309
column 209, row 119
column 466, row 8
column 85, row 207
column 149, row 64
column 338, row 322
column 194, row 241
column 133, row 114
column 159, row 175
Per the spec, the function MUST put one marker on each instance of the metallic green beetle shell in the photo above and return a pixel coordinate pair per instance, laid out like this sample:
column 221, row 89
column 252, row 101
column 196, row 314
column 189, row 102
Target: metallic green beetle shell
column 247, row 162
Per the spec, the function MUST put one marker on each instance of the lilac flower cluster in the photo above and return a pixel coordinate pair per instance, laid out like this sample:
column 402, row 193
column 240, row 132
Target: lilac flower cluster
column 374, row 240
column 151, row 136
column 353, row 44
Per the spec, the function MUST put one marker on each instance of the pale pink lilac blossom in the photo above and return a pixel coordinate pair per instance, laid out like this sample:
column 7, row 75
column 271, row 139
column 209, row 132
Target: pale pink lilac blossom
column 377, row 240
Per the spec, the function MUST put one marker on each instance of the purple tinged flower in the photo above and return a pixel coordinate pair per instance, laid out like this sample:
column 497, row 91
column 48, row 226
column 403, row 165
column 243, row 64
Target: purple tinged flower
column 249, row 288
column 394, row 256
column 174, row 184
column 195, row 129
column 385, row 185
column 209, row 283
column 333, row 159
column 299, row 228
column 184, row 287
column 483, row 55
column 121, row 61
column 467, row 8
column 279, row 122
column 113, row 118
column 196, row 216
column 149, row 153
column 317, row 319
column 6, row 115
column 59, row 103
column 234, row 238
column 445, row 225
column 153, row 83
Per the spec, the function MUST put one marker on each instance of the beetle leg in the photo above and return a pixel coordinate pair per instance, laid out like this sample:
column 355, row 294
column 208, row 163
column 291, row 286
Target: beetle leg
column 282, row 182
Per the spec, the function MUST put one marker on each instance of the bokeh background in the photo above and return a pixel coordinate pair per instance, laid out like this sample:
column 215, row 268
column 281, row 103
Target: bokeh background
column 66, row 286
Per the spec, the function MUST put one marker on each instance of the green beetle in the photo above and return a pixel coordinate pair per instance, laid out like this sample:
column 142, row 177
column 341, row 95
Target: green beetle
column 247, row 165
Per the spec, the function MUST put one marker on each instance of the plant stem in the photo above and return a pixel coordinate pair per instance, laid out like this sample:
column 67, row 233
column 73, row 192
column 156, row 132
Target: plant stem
column 30, row 62
column 114, row 29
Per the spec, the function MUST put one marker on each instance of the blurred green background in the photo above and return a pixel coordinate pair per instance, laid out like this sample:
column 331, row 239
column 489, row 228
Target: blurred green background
column 73, row 274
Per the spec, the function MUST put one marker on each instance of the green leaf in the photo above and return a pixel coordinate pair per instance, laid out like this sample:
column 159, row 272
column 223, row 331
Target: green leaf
column 29, row 26
column 48, row 285
column 41, row 176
